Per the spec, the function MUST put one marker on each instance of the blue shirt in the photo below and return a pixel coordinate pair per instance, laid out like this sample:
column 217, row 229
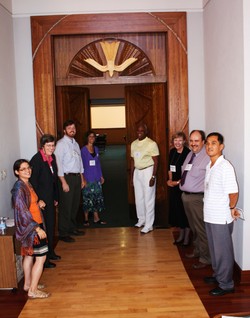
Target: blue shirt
column 68, row 156
column 194, row 181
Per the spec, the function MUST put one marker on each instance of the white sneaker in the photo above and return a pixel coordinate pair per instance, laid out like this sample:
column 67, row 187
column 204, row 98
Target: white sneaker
column 139, row 224
column 145, row 230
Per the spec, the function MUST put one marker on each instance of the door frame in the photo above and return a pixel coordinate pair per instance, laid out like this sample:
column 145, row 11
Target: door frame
column 172, row 24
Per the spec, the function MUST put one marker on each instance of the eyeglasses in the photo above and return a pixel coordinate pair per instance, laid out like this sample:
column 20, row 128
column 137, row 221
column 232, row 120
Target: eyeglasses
column 23, row 169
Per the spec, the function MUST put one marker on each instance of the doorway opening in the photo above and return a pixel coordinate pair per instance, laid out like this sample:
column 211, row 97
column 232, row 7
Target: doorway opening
column 143, row 103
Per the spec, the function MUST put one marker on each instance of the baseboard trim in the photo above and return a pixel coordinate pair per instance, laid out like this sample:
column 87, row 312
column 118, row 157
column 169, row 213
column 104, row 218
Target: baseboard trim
column 243, row 277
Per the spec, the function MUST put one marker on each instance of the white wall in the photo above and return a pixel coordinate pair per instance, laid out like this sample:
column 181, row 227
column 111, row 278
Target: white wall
column 246, row 168
column 196, row 97
column 224, row 87
column 25, row 90
column 9, row 141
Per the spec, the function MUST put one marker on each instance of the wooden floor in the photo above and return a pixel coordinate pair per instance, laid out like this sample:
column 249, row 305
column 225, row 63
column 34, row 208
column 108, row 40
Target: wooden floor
column 117, row 272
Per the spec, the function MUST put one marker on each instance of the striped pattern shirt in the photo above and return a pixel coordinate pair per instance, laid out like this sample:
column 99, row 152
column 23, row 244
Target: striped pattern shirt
column 220, row 181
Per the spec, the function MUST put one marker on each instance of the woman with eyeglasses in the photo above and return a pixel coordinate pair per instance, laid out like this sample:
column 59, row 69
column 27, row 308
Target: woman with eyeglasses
column 93, row 201
column 29, row 229
column 44, row 180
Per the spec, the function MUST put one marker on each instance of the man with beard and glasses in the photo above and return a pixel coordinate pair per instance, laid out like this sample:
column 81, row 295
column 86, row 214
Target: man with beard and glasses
column 71, row 181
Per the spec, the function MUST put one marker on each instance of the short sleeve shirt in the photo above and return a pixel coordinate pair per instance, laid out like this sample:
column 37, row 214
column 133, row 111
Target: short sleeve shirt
column 142, row 152
column 220, row 181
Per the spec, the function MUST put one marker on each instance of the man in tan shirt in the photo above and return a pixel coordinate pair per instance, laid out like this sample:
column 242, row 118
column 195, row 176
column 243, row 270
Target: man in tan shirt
column 144, row 163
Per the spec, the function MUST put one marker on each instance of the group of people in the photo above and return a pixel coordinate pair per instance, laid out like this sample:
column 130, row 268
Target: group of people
column 203, row 197
column 56, row 175
column 203, row 193
column 202, row 200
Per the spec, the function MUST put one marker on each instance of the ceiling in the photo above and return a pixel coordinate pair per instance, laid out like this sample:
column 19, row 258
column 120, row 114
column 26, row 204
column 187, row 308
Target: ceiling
column 47, row 7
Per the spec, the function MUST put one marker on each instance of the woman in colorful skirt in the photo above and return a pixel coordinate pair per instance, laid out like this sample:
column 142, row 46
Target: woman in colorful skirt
column 93, row 201
column 29, row 229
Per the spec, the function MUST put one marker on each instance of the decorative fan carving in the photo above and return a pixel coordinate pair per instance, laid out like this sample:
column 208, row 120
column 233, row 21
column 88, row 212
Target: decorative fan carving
column 111, row 56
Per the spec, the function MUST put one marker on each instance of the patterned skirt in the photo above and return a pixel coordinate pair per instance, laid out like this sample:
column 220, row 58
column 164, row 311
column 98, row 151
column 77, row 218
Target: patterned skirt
column 40, row 247
column 93, row 200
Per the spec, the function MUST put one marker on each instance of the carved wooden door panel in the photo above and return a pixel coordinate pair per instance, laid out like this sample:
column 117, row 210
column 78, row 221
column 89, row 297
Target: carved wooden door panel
column 148, row 104
column 73, row 103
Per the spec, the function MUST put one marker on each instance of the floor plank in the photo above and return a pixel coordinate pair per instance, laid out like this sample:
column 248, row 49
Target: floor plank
column 118, row 272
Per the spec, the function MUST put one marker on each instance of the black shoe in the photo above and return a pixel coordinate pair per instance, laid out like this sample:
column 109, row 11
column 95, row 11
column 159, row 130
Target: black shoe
column 67, row 239
column 54, row 257
column 199, row 265
column 177, row 242
column 101, row 222
column 220, row 292
column 49, row 265
column 185, row 244
column 210, row 280
column 191, row 255
column 77, row 233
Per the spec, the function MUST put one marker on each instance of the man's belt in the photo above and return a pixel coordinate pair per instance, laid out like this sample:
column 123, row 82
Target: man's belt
column 201, row 193
column 144, row 168
column 75, row 174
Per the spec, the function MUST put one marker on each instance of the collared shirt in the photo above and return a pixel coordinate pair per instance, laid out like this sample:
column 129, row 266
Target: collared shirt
column 68, row 156
column 194, row 181
column 220, row 181
column 142, row 152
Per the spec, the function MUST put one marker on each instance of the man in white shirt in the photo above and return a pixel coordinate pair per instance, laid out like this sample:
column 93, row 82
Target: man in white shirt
column 70, row 173
column 220, row 198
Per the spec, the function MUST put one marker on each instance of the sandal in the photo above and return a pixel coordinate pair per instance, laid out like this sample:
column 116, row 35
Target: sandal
column 86, row 223
column 39, row 286
column 100, row 222
column 38, row 294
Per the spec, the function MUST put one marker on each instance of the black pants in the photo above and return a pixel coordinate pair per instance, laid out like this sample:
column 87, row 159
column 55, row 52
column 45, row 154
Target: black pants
column 49, row 219
column 69, row 205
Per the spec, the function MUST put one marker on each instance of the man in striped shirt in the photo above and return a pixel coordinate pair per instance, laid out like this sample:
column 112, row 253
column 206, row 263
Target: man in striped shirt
column 220, row 198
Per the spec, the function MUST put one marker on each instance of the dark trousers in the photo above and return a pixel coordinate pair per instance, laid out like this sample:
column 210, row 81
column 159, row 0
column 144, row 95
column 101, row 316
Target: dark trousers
column 222, row 253
column 49, row 219
column 193, row 205
column 69, row 205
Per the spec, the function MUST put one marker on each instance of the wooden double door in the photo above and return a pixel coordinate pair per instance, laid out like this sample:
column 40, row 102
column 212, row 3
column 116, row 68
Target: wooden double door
column 144, row 103
column 160, row 37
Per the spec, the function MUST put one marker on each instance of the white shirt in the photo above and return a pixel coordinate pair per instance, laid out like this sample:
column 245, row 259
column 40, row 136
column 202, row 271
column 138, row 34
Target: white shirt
column 220, row 181
column 68, row 156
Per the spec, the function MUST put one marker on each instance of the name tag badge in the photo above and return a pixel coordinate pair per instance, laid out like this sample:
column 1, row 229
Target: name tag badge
column 75, row 154
column 137, row 154
column 172, row 168
column 92, row 163
column 188, row 167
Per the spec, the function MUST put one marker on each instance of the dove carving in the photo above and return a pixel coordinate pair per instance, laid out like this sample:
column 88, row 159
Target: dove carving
column 110, row 50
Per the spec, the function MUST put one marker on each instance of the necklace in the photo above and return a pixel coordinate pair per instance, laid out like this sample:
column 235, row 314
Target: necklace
column 175, row 154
